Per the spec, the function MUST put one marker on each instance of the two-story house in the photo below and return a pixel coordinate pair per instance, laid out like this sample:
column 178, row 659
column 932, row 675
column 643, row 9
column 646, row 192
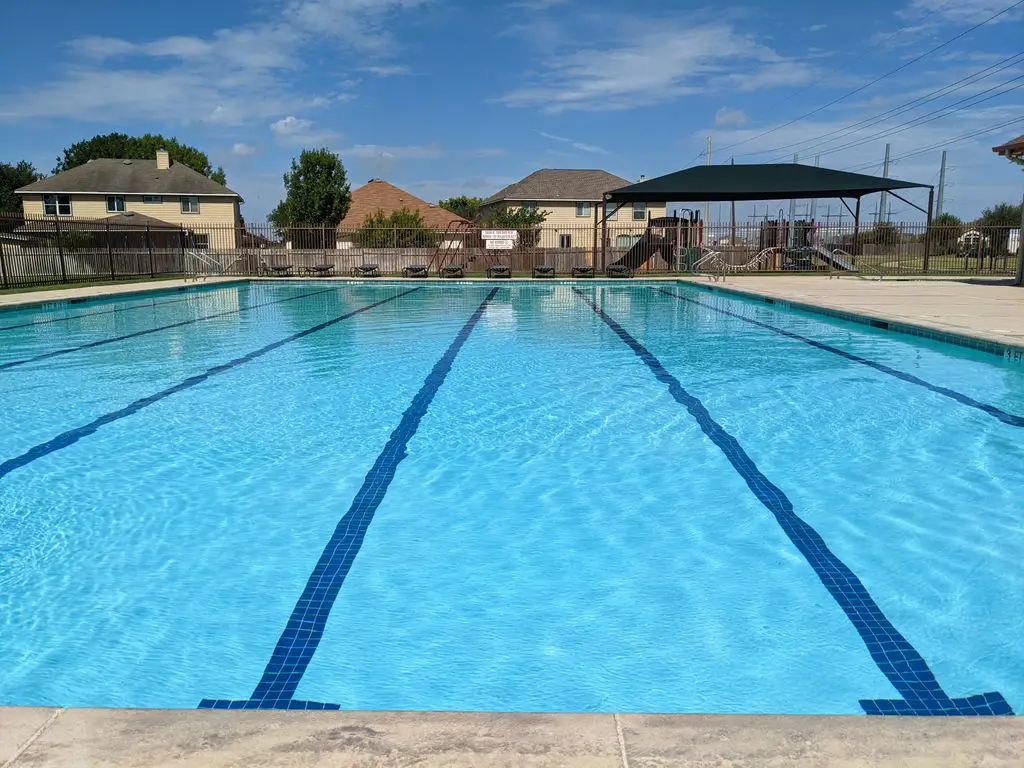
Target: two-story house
column 570, row 196
column 158, row 189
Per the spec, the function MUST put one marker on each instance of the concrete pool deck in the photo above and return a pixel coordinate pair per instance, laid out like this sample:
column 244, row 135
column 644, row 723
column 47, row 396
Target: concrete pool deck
column 84, row 738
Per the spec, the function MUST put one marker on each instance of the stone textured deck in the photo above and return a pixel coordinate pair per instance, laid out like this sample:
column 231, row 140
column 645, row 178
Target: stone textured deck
column 84, row 738
column 986, row 310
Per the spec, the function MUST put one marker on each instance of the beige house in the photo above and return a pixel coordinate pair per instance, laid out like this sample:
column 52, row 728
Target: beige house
column 570, row 198
column 158, row 189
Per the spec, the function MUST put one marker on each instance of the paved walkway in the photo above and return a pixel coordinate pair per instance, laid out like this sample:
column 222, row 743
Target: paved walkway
column 990, row 311
column 99, row 291
column 83, row 738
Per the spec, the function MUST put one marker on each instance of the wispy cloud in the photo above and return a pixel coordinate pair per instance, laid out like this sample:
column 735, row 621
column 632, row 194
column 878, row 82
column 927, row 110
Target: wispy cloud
column 242, row 149
column 294, row 131
column 376, row 151
column 815, row 27
column 579, row 145
column 959, row 11
column 536, row 5
column 728, row 116
column 653, row 63
column 391, row 70
column 209, row 78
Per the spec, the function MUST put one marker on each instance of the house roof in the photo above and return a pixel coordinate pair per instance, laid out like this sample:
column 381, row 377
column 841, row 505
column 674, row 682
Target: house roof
column 762, row 181
column 127, row 220
column 379, row 195
column 1012, row 147
column 129, row 177
column 560, row 184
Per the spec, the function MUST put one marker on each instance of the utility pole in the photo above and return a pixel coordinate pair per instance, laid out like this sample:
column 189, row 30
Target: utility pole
column 814, row 202
column 942, row 185
column 883, row 199
column 792, row 215
column 707, row 205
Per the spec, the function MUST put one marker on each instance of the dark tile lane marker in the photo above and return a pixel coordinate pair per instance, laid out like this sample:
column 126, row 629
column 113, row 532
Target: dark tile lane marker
column 150, row 305
column 136, row 334
column 72, row 436
column 991, row 410
column 305, row 628
column 895, row 657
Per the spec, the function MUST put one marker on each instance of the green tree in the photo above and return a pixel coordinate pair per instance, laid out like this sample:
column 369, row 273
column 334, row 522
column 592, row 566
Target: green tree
column 466, row 207
column 996, row 222
column 527, row 220
column 946, row 228
column 124, row 147
column 13, row 177
column 317, row 197
column 399, row 229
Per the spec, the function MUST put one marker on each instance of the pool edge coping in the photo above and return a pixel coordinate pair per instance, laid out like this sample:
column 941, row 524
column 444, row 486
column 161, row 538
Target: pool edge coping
column 1013, row 353
column 136, row 289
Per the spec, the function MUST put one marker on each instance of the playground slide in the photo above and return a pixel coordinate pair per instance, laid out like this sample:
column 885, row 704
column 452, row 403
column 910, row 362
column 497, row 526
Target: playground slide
column 645, row 249
column 834, row 259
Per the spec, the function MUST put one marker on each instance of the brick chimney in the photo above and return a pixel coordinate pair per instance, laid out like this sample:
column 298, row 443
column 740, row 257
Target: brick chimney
column 163, row 160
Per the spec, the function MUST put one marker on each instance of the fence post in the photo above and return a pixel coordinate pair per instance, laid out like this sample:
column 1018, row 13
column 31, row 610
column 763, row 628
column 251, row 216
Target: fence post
column 1020, row 247
column 149, row 245
column 181, row 242
column 928, row 231
column 3, row 266
column 110, row 252
column 60, row 252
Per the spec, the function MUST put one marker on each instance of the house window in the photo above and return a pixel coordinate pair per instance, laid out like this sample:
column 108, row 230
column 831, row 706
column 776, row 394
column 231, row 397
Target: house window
column 583, row 210
column 639, row 211
column 611, row 212
column 626, row 241
column 565, row 241
column 152, row 199
column 190, row 204
column 115, row 204
column 57, row 205
column 530, row 205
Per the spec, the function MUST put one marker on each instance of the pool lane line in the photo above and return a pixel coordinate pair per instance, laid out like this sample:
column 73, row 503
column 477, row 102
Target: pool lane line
column 305, row 627
column 152, row 304
column 72, row 436
column 991, row 410
column 137, row 334
column 894, row 655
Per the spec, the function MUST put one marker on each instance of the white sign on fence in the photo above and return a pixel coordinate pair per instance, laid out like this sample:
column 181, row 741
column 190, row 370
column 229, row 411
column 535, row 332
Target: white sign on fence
column 500, row 234
column 500, row 245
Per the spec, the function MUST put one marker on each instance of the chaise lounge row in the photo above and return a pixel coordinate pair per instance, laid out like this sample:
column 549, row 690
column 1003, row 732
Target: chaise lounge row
column 449, row 270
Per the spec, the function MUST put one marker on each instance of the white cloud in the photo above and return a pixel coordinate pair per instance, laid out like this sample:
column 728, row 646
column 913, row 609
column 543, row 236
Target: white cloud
column 815, row 27
column 182, row 79
column 959, row 11
column 727, row 116
column 654, row 63
column 375, row 151
column 391, row 70
column 294, row 131
column 578, row 145
column 241, row 149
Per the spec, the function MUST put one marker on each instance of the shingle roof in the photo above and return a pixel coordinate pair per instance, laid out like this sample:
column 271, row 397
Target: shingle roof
column 129, row 177
column 1012, row 147
column 560, row 184
column 379, row 195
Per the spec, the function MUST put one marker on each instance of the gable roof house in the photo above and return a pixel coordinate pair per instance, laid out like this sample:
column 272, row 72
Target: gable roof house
column 119, row 192
column 570, row 196
column 378, row 195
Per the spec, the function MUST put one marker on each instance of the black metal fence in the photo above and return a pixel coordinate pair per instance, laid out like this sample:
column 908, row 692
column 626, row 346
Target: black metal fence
column 66, row 250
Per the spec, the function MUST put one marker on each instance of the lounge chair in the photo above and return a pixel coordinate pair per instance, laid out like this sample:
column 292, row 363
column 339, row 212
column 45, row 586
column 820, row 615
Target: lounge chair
column 415, row 270
column 499, row 270
column 320, row 270
column 582, row 271
column 278, row 270
column 366, row 270
column 543, row 270
column 453, row 270
column 619, row 270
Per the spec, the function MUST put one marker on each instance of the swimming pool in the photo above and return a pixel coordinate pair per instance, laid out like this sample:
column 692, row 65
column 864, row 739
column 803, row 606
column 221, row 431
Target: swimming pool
column 629, row 497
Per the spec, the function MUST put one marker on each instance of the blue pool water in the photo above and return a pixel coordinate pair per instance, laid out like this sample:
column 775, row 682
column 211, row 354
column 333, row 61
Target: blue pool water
column 538, row 497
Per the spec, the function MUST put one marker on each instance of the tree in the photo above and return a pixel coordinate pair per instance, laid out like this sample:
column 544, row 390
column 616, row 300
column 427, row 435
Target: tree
column 527, row 220
column 317, row 195
column 399, row 229
column 946, row 228
column 124, row 147
column 13, row 177
column 466, row 207
column 996, row 223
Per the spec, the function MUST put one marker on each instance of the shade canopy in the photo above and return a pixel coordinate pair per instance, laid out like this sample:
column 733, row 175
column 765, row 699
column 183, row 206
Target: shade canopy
column 765, row 181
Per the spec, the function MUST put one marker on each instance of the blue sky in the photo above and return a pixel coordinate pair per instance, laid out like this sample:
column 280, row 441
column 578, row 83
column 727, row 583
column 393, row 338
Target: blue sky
column 449, row 97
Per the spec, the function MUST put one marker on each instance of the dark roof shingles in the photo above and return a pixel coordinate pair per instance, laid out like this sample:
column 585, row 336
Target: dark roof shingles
column 138, row 177
column 560, row 184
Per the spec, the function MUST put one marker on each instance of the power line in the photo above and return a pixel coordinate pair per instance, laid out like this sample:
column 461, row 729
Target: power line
column 908, row 106
column 878, row 79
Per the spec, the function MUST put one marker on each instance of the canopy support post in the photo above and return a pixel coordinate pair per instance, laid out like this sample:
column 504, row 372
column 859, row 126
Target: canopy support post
column 856, row 229
column 928, row 231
